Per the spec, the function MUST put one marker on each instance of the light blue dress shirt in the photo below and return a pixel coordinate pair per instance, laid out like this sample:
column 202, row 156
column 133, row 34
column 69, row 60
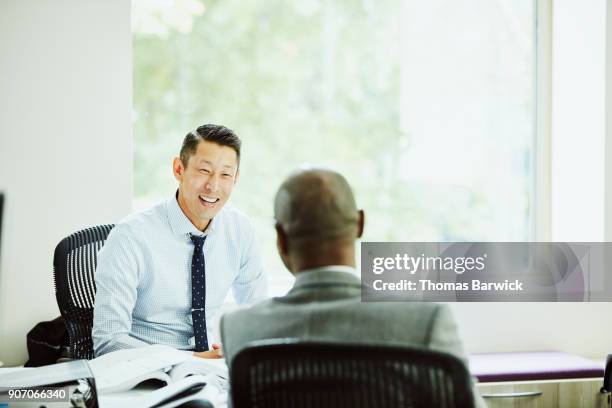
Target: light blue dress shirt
column 143, row 277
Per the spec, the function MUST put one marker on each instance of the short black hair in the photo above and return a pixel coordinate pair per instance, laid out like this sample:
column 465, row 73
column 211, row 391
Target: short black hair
column 211, row 133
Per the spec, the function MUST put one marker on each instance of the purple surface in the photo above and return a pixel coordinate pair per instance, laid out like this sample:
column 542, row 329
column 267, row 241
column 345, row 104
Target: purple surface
column 530, row 366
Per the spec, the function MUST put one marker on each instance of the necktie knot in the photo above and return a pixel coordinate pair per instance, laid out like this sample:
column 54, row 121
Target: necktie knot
column 198, row 241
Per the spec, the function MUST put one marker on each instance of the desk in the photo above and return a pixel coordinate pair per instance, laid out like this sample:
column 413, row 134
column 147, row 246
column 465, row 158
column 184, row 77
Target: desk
column 538, row 379
column 554, row 379
column 127, row 398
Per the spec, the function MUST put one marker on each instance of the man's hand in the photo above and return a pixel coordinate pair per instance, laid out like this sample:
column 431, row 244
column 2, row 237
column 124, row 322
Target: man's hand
column 216, row 352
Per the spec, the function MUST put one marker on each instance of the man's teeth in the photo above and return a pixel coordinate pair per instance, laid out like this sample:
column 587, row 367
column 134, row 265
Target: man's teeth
column 209, row 199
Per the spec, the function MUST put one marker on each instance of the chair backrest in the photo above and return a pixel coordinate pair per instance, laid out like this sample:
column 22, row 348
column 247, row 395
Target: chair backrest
column 607, row 380
column 1, row 210
column 289, row 373
column 74, row 264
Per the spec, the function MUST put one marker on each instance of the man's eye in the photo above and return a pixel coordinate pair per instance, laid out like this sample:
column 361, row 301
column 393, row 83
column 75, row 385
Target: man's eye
column 205, row 170
column 226, row 175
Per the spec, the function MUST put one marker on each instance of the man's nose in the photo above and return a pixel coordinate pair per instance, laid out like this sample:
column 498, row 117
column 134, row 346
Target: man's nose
column 212, row 184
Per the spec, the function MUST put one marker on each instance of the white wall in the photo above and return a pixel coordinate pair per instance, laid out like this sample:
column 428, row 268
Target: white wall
column 581, row 176
column 578, row 120
column 65, row 143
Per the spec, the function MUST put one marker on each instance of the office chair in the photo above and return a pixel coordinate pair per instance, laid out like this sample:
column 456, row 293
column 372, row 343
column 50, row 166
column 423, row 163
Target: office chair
column 74, row 264
column 289, row 373
column 1, row 209
column 607, row 381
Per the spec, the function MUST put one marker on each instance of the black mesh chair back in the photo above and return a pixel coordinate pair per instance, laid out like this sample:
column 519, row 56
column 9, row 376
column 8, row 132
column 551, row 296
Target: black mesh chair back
column 282, row 373
column 74, row 264
column 1, row 210
column 607, row 380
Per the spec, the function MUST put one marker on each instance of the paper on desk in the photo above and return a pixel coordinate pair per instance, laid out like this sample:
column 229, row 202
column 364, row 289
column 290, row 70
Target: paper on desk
column 122, row 369
column 198, row 365
column 138, row 398
column 47, row 375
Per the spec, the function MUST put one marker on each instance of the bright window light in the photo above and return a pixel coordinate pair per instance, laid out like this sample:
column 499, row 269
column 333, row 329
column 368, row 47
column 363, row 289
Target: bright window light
column 427, row 107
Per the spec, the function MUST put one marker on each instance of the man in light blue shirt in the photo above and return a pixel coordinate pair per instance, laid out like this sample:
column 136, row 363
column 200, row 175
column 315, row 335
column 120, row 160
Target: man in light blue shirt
column 147, row 268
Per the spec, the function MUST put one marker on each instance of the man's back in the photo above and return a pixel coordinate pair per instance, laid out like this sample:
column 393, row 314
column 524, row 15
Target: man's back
column 326, row 305
column 317, row 223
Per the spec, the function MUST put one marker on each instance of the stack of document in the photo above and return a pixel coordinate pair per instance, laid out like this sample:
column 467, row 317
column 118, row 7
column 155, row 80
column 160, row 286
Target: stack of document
column 52, row 385
column 186, row 377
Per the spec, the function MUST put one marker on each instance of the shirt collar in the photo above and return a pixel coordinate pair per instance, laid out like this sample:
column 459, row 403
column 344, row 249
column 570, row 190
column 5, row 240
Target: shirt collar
column 333, row 268
column 179, row 222
column 332, row 274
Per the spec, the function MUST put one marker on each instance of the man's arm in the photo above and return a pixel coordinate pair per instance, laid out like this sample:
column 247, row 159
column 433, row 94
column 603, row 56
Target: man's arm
column 444, row 336
column 229, row 338
column 250, row 285
column 116, row 283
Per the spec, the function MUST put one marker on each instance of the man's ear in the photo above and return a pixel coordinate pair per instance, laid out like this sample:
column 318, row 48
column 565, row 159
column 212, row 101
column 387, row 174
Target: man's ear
column 237, row 176
column 282, row 245
column 281, row 240
column 360, row 223
column 178, row 169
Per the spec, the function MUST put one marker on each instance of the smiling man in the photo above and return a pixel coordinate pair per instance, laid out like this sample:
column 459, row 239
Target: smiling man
column 163, row 274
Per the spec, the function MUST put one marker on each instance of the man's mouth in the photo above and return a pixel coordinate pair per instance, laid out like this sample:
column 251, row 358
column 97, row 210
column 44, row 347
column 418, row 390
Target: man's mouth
column 208, row 201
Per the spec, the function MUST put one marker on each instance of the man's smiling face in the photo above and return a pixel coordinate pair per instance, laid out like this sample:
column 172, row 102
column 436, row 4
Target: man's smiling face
column 206, row 181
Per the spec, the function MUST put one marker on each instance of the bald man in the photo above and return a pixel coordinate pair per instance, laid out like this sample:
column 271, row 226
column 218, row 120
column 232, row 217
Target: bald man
column 317, row 223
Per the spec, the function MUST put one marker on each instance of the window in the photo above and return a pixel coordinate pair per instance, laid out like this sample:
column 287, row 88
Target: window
column 427, row 108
